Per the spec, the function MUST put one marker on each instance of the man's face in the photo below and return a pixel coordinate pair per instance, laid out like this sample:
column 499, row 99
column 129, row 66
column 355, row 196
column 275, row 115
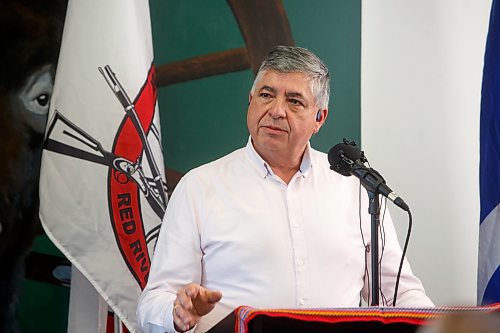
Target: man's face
column 282, row 113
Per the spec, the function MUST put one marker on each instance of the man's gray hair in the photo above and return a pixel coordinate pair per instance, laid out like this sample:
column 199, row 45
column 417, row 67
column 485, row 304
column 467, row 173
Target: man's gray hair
column 293, row 59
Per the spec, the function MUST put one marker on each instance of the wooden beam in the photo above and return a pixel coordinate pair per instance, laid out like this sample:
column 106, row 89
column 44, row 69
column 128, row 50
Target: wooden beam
column 202, row 66
column 264, row 25
column 48, row 268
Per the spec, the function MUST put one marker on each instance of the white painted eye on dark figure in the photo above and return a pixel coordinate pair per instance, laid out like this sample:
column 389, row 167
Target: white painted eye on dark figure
column 34, row 98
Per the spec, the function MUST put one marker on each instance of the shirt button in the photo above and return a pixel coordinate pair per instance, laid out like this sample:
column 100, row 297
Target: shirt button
column 300, row 262
column 295, row 225
column 302, row 301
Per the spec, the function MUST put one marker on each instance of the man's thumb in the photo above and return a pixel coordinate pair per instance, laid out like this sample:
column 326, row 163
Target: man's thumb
column 213, row 296
column 206, row 300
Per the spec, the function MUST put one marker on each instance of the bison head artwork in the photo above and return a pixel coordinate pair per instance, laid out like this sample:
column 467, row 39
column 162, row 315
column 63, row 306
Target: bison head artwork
column 30, row 35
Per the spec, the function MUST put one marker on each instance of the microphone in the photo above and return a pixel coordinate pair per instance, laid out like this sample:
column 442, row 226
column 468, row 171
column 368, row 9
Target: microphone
column 346, row 159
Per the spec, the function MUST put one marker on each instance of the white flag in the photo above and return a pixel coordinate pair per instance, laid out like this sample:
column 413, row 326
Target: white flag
column 102, row 184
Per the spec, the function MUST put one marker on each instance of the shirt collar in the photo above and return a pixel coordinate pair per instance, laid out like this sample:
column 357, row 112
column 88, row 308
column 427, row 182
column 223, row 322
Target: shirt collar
column 306, row 164
column 263, row 167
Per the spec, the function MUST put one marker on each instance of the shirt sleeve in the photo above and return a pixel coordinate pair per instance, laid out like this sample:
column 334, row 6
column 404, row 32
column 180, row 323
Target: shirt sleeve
column 176, row 262
column 411, row 292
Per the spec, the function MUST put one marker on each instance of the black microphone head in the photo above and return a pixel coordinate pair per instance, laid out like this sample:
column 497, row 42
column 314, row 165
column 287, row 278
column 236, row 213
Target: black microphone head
column 343, row 155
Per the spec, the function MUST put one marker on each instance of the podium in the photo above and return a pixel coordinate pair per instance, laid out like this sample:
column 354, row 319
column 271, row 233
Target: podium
column 344, row 320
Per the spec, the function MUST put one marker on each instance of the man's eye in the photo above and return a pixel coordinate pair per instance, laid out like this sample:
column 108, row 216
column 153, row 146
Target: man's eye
column 295, row 102
column 43, row 99
column 265, row 95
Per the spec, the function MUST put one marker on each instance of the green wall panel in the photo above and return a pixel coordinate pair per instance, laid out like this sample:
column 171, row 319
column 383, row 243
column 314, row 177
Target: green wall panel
column 332, row 30
column 44, row 307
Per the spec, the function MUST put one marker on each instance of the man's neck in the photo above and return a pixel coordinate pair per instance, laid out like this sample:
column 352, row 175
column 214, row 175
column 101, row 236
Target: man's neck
column 284, row 165
column 286, row 174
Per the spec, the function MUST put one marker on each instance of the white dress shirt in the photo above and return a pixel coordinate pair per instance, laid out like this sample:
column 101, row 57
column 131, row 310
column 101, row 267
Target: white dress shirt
column 234, row 226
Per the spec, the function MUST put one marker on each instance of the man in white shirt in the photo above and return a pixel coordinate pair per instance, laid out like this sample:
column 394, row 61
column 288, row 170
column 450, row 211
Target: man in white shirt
column 270, row 225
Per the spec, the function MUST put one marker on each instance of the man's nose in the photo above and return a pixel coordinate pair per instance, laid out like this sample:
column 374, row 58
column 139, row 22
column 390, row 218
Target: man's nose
column 278, row 108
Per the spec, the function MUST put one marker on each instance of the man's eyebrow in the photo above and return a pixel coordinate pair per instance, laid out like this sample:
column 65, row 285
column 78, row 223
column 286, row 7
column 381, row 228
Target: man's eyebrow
column 294, row 94
column 268, row 88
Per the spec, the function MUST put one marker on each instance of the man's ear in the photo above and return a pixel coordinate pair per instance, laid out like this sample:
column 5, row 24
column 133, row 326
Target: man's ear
column 320, row 119
column 249, row 98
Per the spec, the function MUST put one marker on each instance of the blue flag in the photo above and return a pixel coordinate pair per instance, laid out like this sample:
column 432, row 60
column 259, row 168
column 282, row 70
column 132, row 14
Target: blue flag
column 488, row 286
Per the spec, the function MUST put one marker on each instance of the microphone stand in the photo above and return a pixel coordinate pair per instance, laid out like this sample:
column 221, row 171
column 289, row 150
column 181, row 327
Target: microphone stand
column 371, row 180
column 374, row 210
column 348, row 160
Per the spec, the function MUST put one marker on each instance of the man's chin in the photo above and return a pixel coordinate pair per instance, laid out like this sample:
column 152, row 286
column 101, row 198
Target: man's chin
column 274, row 145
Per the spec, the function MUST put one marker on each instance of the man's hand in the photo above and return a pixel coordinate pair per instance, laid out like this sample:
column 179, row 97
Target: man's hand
column 192, row 302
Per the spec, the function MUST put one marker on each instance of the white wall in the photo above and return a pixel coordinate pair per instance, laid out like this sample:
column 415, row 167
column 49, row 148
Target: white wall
column 420, row 95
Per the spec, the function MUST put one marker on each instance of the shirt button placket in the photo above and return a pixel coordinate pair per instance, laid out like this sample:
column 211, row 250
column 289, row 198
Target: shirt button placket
column 298, row 243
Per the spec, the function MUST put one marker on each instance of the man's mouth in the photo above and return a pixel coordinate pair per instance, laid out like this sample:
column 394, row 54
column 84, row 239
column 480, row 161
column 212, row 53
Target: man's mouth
column 274, row 128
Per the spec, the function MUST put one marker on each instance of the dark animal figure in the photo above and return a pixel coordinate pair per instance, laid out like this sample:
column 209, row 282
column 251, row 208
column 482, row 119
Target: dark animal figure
column 30, row 36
